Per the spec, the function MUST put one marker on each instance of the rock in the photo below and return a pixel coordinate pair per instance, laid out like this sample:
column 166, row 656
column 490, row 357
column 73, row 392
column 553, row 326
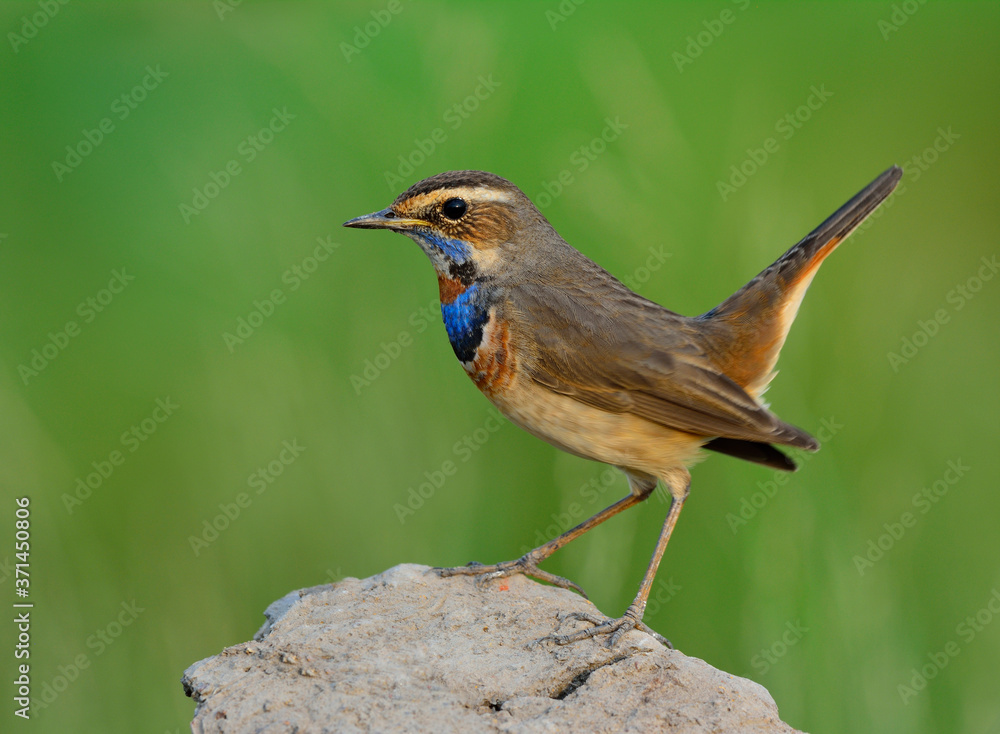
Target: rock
column 408, row 651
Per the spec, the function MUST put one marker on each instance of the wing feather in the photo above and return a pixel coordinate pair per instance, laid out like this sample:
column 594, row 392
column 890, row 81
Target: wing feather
column 601, row 344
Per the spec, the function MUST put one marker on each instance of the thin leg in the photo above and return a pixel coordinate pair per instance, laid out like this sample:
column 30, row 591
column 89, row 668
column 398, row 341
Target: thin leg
column 642, row 487
column 679, row 483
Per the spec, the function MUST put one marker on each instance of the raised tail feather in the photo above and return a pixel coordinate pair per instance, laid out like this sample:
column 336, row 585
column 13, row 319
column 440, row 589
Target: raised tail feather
column 749, row 327
column 745, row 333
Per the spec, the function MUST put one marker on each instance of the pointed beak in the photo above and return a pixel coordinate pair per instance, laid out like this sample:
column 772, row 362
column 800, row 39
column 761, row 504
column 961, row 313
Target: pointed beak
column 385, row 219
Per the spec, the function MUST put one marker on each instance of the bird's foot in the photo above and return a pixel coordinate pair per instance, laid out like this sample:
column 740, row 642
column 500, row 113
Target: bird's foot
column 603, row 626
column 524, row 565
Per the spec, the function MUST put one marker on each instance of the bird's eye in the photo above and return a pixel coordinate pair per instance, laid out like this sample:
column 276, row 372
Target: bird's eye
column 454, row 208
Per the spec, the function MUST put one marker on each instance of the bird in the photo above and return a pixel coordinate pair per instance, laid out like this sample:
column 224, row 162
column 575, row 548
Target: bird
column 567, row 352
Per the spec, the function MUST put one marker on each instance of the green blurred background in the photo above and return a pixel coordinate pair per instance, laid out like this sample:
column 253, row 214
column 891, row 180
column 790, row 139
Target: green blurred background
column 359, row 88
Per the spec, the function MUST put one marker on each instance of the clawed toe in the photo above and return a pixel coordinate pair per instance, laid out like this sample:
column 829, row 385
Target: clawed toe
column 655, row 635
column 485, row 574
column 536, row 573
column 469, row 569
column 602, row 626
column 616, row 628
column 594, row 619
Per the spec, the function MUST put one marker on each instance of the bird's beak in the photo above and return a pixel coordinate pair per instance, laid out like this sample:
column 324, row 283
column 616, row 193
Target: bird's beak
column 385, row 219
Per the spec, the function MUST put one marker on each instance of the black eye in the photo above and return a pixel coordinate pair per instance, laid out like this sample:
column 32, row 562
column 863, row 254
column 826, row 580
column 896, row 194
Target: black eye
column 454, row 208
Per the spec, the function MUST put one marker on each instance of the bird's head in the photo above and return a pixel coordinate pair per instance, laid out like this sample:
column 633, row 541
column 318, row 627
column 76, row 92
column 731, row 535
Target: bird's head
column 468, row 222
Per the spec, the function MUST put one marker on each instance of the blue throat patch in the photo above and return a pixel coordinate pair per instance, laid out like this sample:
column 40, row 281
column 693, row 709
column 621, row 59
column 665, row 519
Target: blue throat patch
column 455, row 249
column 464, row 320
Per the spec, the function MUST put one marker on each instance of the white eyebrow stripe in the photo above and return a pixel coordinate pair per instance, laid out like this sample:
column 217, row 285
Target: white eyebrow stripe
column 469, row 193
column 481, row 194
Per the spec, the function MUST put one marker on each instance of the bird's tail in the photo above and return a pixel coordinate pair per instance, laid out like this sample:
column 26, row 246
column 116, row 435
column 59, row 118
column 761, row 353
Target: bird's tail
column 748, row 329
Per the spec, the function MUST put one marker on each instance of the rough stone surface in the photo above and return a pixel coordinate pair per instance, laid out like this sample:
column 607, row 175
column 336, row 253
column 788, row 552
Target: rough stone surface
column 408, row 651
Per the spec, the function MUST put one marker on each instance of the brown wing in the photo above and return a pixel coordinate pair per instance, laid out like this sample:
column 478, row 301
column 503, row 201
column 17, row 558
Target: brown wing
column 601, row 344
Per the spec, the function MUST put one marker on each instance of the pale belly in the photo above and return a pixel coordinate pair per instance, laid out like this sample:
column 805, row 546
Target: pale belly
column 620, row 439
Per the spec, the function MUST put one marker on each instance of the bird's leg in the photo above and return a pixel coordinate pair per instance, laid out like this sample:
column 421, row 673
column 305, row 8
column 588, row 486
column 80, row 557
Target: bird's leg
column 679, row 484
column 641, row 486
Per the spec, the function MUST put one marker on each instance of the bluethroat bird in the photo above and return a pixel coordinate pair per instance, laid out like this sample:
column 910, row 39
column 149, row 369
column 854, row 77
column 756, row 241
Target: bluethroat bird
column 567, row 352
